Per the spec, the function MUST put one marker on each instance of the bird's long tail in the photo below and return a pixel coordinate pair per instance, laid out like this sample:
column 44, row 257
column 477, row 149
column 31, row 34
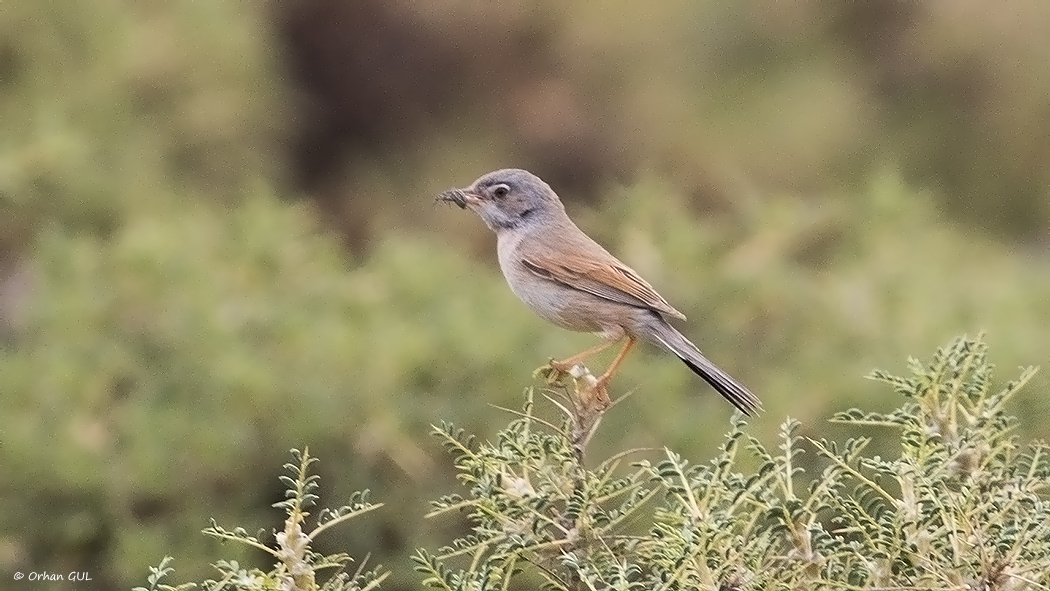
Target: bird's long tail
column 665, row 335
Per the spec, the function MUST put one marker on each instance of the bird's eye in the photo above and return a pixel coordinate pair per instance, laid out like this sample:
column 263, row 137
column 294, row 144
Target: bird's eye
column 500, row 190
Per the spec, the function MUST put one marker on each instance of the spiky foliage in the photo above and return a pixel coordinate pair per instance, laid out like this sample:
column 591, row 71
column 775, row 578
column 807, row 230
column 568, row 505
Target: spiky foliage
column 297, row 565
column 965, row 505
column 533, row 504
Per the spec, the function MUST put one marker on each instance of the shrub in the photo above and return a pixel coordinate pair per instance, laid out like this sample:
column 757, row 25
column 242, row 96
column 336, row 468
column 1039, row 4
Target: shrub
column 964, row 506
column 297, row 564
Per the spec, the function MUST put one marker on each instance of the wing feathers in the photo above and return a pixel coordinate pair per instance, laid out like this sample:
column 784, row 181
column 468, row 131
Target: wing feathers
column 612, row 280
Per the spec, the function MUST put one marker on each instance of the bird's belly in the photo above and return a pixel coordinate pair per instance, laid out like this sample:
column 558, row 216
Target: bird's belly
column 560, row 305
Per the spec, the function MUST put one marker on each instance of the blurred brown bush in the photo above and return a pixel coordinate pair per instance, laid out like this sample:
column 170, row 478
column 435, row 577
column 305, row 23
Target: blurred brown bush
column 805, row 95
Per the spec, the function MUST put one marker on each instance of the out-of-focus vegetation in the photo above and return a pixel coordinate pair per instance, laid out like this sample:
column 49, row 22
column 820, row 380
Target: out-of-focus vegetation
column 217, row 240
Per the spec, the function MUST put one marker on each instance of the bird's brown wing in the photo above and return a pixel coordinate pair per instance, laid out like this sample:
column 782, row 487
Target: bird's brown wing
column 611, row 280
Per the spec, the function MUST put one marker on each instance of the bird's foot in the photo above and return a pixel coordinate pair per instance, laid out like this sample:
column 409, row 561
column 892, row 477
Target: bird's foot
column 600, row 391
column 592, row 402
column 587, row 397
column 555, row 372
column 562, row 366
column 592, row 392
column 589, row 400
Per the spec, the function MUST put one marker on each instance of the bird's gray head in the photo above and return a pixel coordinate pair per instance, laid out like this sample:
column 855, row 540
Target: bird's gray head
column 508, row 199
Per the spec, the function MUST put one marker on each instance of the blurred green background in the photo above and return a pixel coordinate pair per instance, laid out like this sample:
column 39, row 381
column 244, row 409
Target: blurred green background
column 217, row 237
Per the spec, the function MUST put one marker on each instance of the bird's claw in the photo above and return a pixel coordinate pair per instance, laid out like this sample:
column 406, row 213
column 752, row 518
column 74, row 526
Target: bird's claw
column 596, row 395
column 552, row 373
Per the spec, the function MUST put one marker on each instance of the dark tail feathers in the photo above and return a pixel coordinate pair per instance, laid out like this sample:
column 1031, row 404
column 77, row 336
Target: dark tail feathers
column 666, row 335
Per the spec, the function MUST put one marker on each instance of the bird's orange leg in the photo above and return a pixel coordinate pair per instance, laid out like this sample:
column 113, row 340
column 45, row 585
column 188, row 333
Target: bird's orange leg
column 566, row 364
column 602, row 381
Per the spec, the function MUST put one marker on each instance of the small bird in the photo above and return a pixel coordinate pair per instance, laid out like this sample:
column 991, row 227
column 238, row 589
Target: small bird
column 571, row 281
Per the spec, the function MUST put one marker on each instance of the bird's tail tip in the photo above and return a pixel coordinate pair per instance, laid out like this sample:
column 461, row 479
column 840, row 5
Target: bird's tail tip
column 733, row 391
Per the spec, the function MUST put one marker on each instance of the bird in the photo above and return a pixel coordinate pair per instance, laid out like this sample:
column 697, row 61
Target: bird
column 570, row 280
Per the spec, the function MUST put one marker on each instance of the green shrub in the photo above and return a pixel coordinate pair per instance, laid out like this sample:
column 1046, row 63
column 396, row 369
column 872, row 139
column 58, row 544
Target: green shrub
column 298, row 565
column 964, row 506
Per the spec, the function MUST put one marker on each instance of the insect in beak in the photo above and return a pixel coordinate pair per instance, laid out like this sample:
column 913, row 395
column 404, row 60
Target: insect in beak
column 457, row 196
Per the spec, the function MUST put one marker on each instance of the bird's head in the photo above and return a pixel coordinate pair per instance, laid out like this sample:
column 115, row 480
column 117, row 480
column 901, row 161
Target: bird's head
column 506, row 199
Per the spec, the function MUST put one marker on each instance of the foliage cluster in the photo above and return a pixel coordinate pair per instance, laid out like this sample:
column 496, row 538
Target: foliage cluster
column 297, row 564
column 964, row 506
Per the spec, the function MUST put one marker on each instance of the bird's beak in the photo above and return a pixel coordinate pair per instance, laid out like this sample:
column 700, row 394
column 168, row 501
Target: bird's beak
column 461, row 197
